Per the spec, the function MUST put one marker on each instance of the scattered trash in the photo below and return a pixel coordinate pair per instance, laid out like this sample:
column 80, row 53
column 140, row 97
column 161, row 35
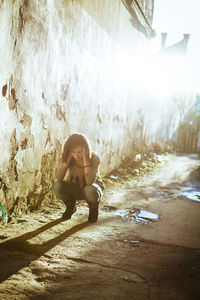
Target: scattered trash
column 3, row 213
column 191, row 194
column 147, row 215
column 113, row 177
column 134, row 242
column 141, row 216
column 126, row 278
column 138, row 157
column 138, row 216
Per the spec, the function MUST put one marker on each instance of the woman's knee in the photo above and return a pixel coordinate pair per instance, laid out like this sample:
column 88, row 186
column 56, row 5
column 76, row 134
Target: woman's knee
column 61, row 189
column 57, row 187
column 91, row 194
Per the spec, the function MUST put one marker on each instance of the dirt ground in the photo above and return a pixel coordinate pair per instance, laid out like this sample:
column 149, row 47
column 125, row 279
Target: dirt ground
column 145, row 245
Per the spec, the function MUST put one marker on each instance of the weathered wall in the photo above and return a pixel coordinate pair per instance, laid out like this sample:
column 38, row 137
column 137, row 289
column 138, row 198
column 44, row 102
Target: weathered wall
column 57, row 77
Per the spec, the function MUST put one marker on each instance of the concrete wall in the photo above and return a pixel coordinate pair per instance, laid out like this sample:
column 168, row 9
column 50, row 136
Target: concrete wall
column 58, row 75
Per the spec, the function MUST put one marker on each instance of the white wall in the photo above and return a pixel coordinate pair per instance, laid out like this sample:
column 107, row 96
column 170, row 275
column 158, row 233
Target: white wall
column 61, row 71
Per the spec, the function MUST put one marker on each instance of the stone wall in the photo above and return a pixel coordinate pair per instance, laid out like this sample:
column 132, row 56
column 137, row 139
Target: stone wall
column 58, row 76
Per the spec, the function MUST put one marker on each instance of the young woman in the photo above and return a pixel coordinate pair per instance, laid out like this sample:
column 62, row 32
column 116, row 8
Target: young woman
column 78, row 177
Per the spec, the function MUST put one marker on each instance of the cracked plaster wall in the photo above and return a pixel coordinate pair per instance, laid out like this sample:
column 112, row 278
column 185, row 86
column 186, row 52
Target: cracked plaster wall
column 54, row 82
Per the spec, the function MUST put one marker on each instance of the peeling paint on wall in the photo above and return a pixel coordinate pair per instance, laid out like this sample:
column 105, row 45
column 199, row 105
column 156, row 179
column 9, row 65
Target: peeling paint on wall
column 4, row 90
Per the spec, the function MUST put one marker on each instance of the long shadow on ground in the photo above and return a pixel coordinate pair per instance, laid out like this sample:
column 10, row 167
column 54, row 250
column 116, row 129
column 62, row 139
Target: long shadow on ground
column 19, row 253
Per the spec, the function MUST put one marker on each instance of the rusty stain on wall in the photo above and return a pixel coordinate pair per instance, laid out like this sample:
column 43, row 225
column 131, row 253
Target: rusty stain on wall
column 4, row 90
column 60, row 114
column 12, row 100
column 26, row 121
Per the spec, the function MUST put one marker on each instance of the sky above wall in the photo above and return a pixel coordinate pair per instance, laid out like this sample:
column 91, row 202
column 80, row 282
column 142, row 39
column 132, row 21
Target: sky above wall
column 177, row 17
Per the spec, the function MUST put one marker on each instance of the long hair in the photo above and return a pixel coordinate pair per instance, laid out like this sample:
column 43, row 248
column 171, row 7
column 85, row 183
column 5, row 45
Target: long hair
column 72, row 142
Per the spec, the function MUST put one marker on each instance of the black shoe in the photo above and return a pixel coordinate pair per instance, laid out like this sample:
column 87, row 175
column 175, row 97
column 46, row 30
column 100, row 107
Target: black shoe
column 70, row 210
column 93, row 214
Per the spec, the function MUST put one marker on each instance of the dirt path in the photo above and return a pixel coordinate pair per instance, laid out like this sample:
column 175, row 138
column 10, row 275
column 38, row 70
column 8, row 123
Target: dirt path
column 128, row 254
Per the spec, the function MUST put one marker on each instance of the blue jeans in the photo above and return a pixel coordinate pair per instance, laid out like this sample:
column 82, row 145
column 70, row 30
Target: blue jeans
column 69, row 193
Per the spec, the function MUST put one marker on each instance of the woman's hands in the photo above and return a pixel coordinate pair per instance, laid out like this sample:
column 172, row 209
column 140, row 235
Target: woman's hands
column 86, row 161
column 68, row 160
column 61, row 172
column 81, row 157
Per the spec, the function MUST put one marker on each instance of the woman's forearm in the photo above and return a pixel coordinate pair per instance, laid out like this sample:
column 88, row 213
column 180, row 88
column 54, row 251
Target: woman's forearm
column 90, row 178
column 60, row 174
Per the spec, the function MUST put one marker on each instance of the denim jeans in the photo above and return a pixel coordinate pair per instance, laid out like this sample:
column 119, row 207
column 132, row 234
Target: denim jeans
column 69, row 192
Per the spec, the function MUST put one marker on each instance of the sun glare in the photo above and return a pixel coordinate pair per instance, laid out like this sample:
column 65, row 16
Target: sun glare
column 159, row 76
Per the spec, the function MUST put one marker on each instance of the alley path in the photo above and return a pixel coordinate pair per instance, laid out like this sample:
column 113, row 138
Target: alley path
column 146, row 244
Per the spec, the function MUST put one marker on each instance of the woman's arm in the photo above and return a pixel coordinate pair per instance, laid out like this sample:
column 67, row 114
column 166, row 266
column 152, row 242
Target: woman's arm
column 60, row 174
column 91, row 168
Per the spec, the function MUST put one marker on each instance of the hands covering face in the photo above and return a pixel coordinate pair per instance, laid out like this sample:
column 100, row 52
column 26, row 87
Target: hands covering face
column 79, row 154
column 85, row 153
